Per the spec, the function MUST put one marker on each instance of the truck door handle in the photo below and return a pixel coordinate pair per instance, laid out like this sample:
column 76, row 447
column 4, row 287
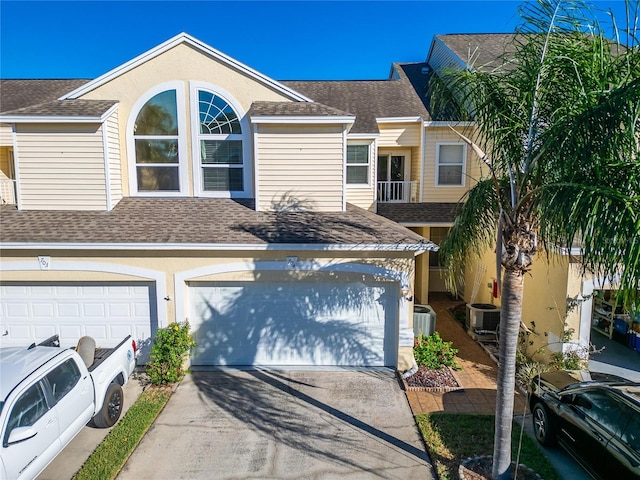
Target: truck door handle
column 50, row 422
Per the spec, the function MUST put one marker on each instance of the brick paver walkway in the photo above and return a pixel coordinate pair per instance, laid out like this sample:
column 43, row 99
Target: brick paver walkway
column 478, row 374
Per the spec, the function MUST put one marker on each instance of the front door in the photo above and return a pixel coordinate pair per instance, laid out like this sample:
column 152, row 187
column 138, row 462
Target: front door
column 391, row 175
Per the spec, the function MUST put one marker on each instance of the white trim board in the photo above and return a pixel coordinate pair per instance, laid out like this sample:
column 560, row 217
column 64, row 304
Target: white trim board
column 141, row 274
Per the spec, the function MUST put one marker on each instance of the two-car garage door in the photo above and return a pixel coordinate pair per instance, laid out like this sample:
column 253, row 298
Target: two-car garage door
column 282, row 322
column 32, row 312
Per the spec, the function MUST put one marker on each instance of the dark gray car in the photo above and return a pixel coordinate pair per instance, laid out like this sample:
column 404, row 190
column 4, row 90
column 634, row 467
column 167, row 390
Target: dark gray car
column 594, row 416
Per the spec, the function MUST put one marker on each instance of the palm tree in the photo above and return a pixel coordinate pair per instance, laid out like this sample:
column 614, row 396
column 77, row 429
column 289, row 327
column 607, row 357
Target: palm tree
column 558, row 126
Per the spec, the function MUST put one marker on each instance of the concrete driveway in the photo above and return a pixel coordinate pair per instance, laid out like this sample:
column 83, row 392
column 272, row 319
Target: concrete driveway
column 286, row 425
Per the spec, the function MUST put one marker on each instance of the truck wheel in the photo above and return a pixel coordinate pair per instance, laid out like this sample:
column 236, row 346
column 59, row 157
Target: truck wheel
column 543, row 427
column 111, row 407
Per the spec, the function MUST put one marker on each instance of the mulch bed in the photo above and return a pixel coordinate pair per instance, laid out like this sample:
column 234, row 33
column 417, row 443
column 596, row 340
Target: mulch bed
column 430, row 379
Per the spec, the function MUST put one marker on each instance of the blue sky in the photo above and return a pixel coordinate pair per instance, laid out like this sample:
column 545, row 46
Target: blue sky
column 294, row 40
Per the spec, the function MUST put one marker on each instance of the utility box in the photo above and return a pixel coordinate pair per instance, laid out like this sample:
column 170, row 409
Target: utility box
column 482, row 316
column 424, row 320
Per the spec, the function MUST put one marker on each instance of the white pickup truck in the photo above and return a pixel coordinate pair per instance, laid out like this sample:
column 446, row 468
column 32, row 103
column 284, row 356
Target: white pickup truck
column 48, row 394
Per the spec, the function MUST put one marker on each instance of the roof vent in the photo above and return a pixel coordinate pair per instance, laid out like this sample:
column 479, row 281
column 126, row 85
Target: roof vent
column 424, row 70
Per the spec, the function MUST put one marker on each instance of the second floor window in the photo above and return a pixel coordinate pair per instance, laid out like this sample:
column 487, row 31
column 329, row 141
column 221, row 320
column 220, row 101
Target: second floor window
column 450, row 164
column 358, row 165
column 155, row 134
column 220, row 141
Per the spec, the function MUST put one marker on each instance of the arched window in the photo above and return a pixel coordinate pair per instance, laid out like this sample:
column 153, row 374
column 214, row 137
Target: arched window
column 156, row 144
column 220, row 144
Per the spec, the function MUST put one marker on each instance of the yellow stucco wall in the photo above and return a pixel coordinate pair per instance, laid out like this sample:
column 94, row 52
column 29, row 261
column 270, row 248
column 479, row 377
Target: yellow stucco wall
column 98, row 266
column 434, row 193
column 546, row 287
column 182, row 64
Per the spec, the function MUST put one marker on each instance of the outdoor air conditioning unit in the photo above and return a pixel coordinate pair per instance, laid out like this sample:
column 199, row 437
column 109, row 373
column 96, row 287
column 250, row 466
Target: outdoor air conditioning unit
column 424, row 320
column 482, row 316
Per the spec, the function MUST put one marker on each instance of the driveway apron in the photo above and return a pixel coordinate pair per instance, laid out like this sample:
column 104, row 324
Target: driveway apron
column 286, row 425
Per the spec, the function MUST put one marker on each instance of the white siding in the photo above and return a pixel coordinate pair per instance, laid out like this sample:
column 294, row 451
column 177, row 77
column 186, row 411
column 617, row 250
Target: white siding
column 399, row 134
column 300, row 163
column 115, row 167
column 61, row 167
column 443, row 58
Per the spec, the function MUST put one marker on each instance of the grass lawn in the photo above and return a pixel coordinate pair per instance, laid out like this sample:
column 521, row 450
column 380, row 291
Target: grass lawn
column 450, row 438
column 107, row 460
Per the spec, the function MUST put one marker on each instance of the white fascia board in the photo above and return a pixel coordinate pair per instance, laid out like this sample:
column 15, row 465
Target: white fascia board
column 398, row 119
column 60, row 119
column 303, row 119
column 363, row 247
column 194, row 42
column 363, row 136
column 429, row 224
column 40, row 119
column 432, row 123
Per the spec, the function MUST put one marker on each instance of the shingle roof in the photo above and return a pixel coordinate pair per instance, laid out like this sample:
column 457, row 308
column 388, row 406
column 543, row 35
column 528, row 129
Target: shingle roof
column 367, row 99
column 15, row 94
column 39, row 98
column 294, row 109
column 482, row 50
column 65, row 108
column 419, row 213
column 199, row 221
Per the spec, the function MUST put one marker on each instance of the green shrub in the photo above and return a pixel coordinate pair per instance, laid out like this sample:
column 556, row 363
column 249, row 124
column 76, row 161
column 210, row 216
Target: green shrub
column 433, row 352
column 169, row 352
column 568, row 361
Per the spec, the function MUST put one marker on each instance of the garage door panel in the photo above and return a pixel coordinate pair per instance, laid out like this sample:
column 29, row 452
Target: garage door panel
column 32, row 313
column 292, row 323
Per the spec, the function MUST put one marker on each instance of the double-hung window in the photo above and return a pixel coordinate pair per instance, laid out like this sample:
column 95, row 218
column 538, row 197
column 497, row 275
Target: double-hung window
column 450, row 164
column 220, row 145
column 156, row 140
column 358, row 165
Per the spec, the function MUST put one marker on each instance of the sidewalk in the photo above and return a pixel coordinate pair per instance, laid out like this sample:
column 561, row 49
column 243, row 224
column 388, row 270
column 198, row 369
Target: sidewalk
column 478, row 375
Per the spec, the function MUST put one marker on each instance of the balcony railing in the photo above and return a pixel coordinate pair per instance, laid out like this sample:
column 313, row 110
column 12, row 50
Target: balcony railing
column 398, row 192
column 7, row 192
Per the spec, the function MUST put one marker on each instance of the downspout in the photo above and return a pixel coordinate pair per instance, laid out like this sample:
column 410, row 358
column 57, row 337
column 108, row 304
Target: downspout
column 16, row 166
column 344, row 167
column 107, row 177
column 423, row 142
column 255, row 167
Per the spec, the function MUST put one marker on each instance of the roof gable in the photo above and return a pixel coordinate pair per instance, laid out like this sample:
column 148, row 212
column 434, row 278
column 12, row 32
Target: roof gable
column 205, row 49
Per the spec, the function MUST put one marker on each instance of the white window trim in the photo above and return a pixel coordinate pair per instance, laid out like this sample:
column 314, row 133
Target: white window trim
column 245, row 137
column 183, row 178
column 368, row 164
column 463, row 180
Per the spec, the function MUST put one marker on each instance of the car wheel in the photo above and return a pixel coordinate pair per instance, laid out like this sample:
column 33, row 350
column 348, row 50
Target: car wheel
column 543, row 427
column 111, row 407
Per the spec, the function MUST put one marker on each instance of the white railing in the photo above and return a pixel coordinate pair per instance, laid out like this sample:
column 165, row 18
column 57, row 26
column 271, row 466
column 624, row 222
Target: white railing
column 7, row 192
column 405, row 191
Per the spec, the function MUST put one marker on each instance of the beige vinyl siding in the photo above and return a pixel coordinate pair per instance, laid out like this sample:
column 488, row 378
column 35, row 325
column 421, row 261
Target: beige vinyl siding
column 300, row 163
column 433, row 193
column 399, row 134
column 61, row 167
column 6, row 135
column 416, row 160
column 363, row 196
column 115, row 167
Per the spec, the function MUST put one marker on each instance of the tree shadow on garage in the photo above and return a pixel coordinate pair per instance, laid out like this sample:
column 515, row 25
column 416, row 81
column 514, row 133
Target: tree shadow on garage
column 298, row 319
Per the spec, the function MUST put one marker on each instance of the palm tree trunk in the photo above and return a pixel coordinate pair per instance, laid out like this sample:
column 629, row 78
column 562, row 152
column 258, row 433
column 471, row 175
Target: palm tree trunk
column 511, row 315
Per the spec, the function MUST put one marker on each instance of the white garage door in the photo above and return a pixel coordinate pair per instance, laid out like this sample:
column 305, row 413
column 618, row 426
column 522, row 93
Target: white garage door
column 285, row 323
column 107, row 312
